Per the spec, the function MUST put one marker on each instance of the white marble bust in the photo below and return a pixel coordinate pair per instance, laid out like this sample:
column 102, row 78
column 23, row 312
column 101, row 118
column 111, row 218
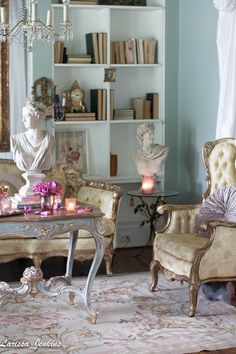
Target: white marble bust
column 33, row 150
column 150, row 157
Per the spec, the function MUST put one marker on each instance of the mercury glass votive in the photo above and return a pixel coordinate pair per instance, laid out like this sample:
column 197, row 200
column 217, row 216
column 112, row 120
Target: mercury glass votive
column 70, row 204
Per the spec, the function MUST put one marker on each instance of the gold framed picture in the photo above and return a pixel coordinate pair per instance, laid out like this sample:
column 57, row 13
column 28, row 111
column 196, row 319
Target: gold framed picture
column 109, row 75
column 72, row 148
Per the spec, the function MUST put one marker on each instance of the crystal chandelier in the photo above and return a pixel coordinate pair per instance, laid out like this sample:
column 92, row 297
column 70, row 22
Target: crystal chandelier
column 29, row 30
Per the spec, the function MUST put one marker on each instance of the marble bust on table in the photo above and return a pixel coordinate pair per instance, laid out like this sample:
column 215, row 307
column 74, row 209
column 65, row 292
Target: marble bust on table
column 150, row 157
column 33, row 150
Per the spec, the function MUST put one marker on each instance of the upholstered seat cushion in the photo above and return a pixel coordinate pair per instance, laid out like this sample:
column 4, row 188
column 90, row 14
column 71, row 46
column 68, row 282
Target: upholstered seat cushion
column 176, row 252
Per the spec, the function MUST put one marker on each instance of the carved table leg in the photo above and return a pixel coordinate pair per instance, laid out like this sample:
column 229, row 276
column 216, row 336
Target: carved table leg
column 97, row 233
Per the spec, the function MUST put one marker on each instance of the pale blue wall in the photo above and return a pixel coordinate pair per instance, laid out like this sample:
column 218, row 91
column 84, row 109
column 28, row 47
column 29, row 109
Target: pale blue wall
column 41, row 61
column 191, row 111
column 172, row 91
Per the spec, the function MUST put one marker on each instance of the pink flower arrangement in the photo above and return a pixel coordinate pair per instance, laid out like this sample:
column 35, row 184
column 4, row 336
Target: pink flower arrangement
column 48, row 188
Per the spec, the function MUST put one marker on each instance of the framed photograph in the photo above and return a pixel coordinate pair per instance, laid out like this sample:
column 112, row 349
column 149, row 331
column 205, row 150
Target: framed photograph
column 109, row 75
column 72, row 148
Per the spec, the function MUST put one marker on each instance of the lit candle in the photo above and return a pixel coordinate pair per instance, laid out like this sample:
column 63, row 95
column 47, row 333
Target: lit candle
column 65, row 13
column 70, row 204
column 3, row 15
column 49, row 18
column 147, row 184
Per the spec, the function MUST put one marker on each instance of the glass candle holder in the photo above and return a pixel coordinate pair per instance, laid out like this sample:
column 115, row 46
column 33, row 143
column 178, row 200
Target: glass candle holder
column 147, row 184
column 70, row 204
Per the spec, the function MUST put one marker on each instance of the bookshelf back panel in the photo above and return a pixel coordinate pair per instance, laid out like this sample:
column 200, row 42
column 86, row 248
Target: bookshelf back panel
column 83, row 21
column 150, row 26
column 136, row 82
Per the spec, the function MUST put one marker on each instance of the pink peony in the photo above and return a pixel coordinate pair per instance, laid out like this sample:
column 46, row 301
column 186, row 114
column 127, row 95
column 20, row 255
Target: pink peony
column 48, row 188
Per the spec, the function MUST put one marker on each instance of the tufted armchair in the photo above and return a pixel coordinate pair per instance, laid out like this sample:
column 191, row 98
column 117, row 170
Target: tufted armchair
column 104, row 195
column 184, row 252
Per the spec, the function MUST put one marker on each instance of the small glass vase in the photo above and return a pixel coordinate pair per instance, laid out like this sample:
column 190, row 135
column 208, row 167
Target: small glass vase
column 47, row 202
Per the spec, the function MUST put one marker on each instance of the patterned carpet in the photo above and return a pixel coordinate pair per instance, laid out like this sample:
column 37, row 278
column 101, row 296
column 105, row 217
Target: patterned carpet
column 131, row 320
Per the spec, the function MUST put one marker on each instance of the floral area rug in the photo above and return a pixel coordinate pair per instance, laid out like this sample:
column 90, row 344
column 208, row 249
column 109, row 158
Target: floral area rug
column 131, row 320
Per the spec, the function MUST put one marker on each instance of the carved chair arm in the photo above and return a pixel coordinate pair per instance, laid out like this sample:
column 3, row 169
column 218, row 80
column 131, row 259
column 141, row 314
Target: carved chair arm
column 181, row 218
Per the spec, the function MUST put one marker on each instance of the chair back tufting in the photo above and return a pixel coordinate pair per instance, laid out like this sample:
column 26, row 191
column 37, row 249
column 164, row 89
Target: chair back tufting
column 219, row 158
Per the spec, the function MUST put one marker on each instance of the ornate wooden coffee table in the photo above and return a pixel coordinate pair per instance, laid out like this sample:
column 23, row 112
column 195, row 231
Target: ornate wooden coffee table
column 46, row 228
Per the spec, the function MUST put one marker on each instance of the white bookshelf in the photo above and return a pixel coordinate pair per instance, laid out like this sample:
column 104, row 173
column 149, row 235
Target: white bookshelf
column 132, row 80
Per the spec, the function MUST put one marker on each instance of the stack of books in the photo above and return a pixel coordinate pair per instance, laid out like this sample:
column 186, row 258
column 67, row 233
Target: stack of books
column 80, row 116
column 79, row 59
column 154, row 107
column 134, row 51
column 98, row 98
column 125, row 114
column 96, row 44
column 59, row 53
column 32, row 202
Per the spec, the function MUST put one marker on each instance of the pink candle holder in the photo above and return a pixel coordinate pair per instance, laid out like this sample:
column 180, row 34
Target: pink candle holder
column 70, row 204
column 147, row 184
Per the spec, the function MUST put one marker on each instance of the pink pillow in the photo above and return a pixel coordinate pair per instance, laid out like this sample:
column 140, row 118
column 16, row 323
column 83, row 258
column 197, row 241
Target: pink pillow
column 220, row 205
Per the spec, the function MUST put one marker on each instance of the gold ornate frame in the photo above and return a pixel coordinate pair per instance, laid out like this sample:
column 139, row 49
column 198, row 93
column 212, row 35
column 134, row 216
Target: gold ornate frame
column 4, row 92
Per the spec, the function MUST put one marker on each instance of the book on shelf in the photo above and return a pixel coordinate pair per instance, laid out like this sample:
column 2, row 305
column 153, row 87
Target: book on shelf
column 72, row 59
column 104, row 44
column 130, row 58
column 147, row 109
column 140, row 53
column 112, row 52
column 138, row 104
column 59, row 52
column 98, row 98
column 121, row 45
column 92, row 46
column 100, row 47
column 96, row 44
column 152, row 51
column 154, row 98
column 104, row 104
column 80, row 116
column 123, row 114
column 111, row 103
column 117, row 52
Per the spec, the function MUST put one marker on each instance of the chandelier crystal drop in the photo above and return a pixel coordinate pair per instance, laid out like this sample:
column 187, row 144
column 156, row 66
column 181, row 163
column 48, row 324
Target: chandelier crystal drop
column 30, row 31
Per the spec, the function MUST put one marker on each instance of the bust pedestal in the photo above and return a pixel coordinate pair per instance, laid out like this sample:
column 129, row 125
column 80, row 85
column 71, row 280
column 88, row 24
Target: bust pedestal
column 26, row 196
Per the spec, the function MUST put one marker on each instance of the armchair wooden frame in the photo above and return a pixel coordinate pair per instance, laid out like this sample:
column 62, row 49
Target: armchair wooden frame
column 182, row 220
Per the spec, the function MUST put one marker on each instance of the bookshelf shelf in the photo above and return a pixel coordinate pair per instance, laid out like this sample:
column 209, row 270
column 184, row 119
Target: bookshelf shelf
column 111, row 136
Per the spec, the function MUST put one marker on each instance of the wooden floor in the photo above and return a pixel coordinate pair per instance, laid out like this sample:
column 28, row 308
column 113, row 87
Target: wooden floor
column 124, row 261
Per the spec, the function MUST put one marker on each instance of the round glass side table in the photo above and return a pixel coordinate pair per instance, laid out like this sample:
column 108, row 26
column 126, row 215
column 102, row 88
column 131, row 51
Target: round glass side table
column 148, row 207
